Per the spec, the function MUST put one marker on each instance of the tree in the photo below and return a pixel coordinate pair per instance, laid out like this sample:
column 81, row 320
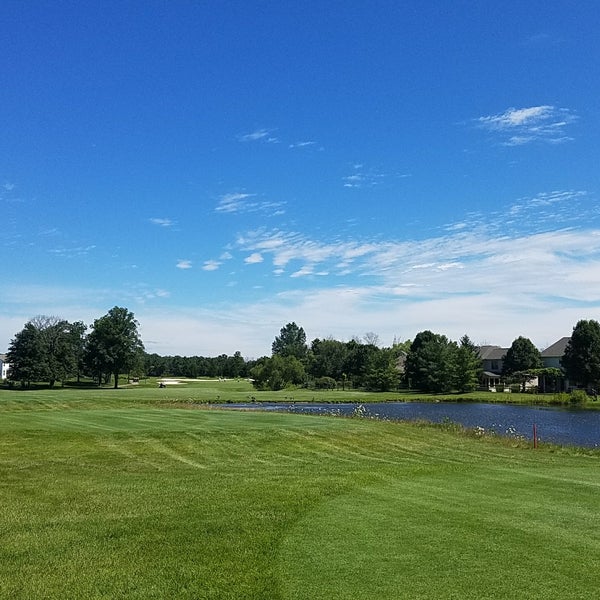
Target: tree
column 371, row 338
column 551, row 379
column 77, row 343
column 237, row 365
column 358, row 358
column 277, row 372
column 25, row 356
column 468, row 366
column 114, row 345
column 521, row 359
column 327, row 358
column 382, row 372
column 430, row 363
column 291, row 341
column 521, row 356
column 581, row 360
column 42, row 351
column 58, row 359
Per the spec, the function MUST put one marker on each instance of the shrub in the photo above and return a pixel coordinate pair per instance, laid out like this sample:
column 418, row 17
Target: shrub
column 578, row 397
column 325, row 383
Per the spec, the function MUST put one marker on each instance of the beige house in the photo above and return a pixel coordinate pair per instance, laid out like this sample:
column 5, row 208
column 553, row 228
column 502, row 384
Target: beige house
column 4, row 366
column 492, row 362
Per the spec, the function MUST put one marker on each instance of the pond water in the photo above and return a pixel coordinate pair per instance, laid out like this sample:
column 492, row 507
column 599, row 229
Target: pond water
column 576, row 427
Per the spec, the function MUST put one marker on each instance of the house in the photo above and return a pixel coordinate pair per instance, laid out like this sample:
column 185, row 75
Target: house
column 491, row 365
column 4, row 366
column 553, row 354
column 401, row 362
column 551, row 358
column 492, row 362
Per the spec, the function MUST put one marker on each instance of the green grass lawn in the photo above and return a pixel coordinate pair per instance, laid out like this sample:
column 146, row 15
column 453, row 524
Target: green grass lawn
column 129, row 494
column 214, row 391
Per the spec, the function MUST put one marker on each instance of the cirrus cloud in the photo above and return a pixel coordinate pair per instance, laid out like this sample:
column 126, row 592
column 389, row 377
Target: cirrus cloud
column 519, row 126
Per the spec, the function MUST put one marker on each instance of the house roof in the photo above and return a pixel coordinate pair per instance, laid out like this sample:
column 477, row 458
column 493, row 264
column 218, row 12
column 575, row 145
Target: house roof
column 492, row 352
column 490, row 375
column 556, row 349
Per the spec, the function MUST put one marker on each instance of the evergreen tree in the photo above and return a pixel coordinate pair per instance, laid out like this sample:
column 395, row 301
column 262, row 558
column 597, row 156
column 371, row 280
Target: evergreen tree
column 468, row 366
column 291, row 341
column 431, row 363
column 25, row 355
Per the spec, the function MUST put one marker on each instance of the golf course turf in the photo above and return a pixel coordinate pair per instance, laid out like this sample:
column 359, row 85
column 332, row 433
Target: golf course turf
column 103, row 497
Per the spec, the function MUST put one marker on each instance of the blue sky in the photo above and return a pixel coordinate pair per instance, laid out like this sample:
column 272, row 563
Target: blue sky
column 223, row 168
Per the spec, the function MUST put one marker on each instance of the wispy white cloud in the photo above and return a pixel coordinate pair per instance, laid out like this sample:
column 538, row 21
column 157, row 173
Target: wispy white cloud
column 211, row 265
column 233, row 202
column 305, row 270
column 161, row 222
column 542, row 39
column 254, row 258
column 362, row 177
column 143, row 294
column 259, row 135
column 494, row 276
column 184, row 264
column 241, row 202
column 72, row 251
column 306, row 144
column 489, row 256
column 518, row 126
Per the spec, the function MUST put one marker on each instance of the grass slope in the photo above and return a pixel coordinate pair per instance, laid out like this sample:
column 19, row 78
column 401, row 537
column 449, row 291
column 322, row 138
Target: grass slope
column 117, row 499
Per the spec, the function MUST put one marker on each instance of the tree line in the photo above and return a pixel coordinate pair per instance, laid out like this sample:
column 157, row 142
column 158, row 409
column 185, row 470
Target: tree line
column 50, row 349
column 431, row 363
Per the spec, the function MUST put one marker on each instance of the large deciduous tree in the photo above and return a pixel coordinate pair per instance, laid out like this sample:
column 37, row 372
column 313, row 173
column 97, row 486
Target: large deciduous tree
column 42, row 351
column 521, row 360
column 277, row 372
column 328, row 358
column 581, row 360
column 521, row 356
column 114, row 346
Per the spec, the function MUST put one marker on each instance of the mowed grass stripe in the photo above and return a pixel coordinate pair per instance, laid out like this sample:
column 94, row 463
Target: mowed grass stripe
column 180, row 503
column 450, row 538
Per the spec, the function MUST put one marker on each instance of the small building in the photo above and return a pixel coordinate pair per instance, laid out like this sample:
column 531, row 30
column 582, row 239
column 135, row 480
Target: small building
column 4, row 366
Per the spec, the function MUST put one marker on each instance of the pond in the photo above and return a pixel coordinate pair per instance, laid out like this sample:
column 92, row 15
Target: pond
column 564, row 426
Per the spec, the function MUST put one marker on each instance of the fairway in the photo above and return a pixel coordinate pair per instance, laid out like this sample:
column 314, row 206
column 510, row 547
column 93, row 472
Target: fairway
column 114, row 500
